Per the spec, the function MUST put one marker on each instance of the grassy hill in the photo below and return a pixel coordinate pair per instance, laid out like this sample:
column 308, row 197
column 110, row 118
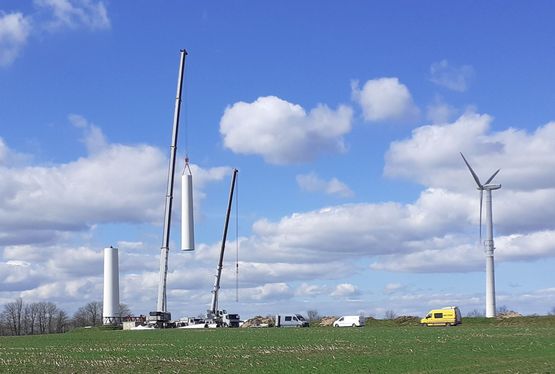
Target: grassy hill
column 525, row 344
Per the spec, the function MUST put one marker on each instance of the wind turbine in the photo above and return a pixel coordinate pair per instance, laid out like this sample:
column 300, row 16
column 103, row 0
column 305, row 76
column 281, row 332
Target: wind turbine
column 488, row 243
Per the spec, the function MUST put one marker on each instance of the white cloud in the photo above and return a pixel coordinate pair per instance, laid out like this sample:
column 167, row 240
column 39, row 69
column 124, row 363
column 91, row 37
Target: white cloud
column 431, row 155
column 312, row 183
column 456, row 78
column 344, row 290
column 8, row 157
column 272, row 291
column 310, row 290
column 76, row 13
column 440, row 112
column 94, row 139
column 463, row 258
column 14, row 32
column 114, row 184
column 52, row 15
column 128, row 245
column 282, row 132
column 393, row 287
column 384, row 99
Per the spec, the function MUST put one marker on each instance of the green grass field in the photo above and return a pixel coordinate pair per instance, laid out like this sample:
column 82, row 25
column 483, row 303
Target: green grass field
column 517, row 345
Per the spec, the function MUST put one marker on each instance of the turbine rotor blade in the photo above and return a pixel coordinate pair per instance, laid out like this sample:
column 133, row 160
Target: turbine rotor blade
column 481, row 198
column 493, row 176
column 472, row 172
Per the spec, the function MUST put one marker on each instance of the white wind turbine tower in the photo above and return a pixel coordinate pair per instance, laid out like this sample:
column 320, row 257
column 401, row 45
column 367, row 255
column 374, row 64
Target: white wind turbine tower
column 488, row 243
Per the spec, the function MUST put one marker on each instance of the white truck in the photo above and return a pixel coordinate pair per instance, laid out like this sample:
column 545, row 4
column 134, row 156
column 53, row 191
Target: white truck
column 349, row 321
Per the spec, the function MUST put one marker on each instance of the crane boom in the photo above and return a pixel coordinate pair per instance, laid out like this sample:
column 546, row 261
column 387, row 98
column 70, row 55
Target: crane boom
column 161, row 308
column 215, row 291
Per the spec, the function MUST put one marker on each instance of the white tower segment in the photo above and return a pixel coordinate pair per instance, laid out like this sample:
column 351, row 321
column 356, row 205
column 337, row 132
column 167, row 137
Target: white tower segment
column 187, row 220
column 488, row 244
column 110, row 312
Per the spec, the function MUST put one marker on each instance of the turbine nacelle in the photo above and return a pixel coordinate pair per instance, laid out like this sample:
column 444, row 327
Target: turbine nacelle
column 491, row 187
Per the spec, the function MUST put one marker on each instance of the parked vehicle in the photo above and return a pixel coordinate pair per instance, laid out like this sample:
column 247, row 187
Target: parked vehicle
column 291, row 320
column 349, row 321
column 448, row 316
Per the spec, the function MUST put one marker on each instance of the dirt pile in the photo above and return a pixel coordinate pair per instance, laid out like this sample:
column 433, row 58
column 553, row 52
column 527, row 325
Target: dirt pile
column 509, row 314
column 259, row 321
column 327, row 321
column 407, row 320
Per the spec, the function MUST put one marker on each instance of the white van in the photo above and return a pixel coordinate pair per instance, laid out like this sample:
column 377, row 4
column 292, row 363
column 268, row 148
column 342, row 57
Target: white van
column 348, row 321
column 291, row 320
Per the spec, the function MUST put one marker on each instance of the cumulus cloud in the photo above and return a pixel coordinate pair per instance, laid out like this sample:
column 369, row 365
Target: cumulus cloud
column 310, row 290
column 14, row 32
column 431, row 155
column 284, row 258
column 311, row 182
column 345, row 290
column 384, row 99
column 438, row 232
column 76, row 13
column 272, row 291
column 115, row 183
column 393, row 287
column 94, row 138
column 455, row 78
column 51, row 15
column 440, row 112
column 282, row 132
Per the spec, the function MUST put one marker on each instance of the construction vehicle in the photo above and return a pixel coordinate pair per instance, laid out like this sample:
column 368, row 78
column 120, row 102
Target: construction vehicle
column 161, row 317
column 221, row 318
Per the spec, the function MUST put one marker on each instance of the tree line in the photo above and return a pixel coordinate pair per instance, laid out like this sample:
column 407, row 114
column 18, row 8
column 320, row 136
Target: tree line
column 21, row 318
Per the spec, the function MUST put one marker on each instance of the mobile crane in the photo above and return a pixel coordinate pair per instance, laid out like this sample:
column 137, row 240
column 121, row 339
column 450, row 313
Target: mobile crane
column 221, row 318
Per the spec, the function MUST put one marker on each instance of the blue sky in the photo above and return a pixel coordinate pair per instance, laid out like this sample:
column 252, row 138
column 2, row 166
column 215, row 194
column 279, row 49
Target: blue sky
column 345, row 120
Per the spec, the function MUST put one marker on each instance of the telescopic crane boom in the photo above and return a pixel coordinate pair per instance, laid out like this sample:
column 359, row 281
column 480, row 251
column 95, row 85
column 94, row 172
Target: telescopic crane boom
column 213, row 312
column 161, row 315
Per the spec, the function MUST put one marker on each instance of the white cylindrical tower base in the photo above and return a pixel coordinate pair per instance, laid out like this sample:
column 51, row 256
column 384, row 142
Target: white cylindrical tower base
column 187, row 223
column 110, row 313
column 490, row 287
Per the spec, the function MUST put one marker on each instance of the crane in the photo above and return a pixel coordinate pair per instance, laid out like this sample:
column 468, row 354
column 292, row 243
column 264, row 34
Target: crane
column 220, row 317
column 161, row 317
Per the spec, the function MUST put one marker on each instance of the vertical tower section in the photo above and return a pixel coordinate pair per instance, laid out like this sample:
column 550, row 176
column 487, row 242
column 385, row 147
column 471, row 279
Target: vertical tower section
column 489, row 249
column 110, row 312
column 187, row 219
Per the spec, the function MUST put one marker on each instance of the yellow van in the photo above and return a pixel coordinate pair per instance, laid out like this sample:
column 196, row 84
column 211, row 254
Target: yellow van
column 448, row 316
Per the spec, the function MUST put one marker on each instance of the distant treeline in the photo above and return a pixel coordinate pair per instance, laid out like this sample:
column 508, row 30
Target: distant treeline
column 21, row 318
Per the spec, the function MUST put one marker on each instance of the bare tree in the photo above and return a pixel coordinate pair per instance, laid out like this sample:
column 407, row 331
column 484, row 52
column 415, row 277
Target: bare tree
column 476, row 313
column 62, row 322
column 88, row 315
column 13, row 316
column 29, row 318
column 390, row 314
column 313, row 315
column 124, row 311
